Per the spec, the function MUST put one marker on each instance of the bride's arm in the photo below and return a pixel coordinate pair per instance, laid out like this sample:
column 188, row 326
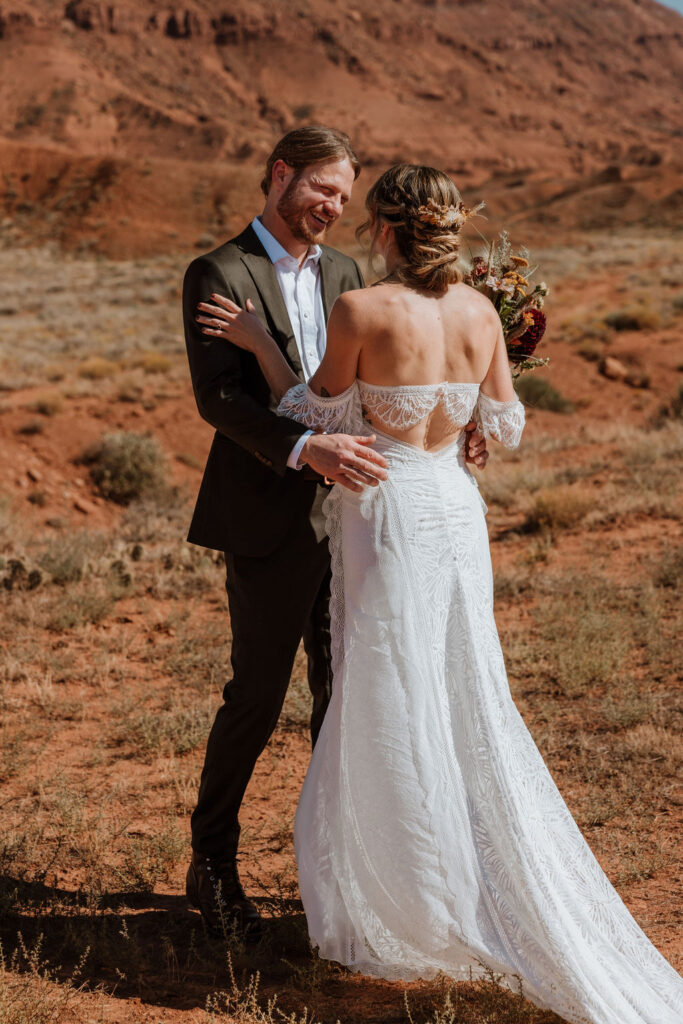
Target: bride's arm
column 339, row 367
column 242, row 327
column 225, row 319
column 499, row 412
column 326, row 405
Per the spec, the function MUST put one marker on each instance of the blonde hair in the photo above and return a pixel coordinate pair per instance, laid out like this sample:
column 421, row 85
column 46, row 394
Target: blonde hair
column 308, row 145
column 426, row 212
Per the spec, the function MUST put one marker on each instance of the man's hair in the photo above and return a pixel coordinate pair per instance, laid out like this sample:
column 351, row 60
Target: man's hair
column 310, row 145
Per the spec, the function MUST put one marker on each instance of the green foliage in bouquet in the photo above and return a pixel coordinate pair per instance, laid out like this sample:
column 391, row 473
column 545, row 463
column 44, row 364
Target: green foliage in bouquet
column 503, row 276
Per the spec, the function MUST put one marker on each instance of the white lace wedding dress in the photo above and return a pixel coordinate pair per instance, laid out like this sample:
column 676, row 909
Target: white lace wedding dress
column 430, row 835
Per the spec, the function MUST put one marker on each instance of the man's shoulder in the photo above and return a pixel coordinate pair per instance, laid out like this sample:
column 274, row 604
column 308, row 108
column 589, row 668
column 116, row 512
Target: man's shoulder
column 223, row 264
column 229, row 252
column 340, row 258
column 348, row 273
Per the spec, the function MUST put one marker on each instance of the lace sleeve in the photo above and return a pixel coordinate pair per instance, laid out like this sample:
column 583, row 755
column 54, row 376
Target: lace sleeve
column 339, row 414
column 503, row 421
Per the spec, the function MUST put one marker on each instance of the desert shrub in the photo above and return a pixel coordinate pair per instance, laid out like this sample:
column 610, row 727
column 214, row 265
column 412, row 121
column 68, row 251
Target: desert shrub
column 31, row 427
column 125, row 466
column 669, row 571
column 591, row 350
column 96, row 368
column 47, row 404
column 153, row 362
column 79, row 608
column 672, row 410
column 31, row 991
column 149, row 858
column 130, row 392
column 633, row 318
column 65, row 558
column 540, row 394
column 557, row 508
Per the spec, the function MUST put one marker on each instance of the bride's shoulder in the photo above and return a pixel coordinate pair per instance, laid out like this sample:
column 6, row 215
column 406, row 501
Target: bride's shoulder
column 356, row 307
column 473, row 302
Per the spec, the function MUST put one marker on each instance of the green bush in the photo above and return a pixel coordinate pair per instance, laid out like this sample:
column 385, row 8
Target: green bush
column 539, row 393
column 125, row 466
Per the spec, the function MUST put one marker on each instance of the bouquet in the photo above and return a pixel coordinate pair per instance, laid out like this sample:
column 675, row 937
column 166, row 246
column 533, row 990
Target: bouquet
column 503, row 276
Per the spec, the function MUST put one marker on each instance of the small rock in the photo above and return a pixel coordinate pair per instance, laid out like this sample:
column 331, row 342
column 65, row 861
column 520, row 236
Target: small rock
column 35, row 578
column 637, row 379
column 34, row 475
column 613, row 369
column 84, row 506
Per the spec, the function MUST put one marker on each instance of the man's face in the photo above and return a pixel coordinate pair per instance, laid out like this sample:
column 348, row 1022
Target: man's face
column 314, row 199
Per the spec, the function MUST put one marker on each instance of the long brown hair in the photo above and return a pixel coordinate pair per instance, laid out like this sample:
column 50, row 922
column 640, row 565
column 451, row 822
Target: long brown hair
column 310, row 145
column 426, row 212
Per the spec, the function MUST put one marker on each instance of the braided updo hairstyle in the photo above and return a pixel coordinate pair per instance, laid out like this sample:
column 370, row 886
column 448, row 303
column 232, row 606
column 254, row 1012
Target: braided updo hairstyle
column 426, row 211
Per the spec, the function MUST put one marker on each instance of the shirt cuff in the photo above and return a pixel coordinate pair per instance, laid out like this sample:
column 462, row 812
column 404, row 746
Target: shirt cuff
column 296, row 450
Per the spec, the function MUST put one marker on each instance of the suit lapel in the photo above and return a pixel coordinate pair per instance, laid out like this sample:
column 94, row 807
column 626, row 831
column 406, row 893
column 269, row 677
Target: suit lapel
column 262, row 271
column 329, row 282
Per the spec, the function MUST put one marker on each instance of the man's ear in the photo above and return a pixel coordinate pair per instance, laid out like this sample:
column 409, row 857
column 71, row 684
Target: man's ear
column 281, row 174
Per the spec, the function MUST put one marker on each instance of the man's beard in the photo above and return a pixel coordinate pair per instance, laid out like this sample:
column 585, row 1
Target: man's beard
column 294, row 215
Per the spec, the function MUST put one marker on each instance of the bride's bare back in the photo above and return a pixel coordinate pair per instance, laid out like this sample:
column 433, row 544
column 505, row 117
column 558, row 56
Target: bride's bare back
column 407, row 337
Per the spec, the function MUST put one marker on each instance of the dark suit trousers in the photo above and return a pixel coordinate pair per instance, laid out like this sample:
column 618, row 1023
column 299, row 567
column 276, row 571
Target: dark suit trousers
column 274, row 602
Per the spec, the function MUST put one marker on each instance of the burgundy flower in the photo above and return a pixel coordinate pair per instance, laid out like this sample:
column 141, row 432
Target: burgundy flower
column 479, row 267
column 526, row 343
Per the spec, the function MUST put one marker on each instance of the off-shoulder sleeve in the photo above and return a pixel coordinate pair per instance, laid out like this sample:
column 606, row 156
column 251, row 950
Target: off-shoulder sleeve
column 503, row 421
column 339, row 414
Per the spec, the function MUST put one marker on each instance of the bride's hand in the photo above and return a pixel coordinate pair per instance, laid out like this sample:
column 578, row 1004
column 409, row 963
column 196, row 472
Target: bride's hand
column 227, row 320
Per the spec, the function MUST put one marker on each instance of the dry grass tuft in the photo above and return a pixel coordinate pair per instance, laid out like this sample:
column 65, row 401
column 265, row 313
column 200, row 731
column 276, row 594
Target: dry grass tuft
column 97, row 368
column 633, row 318
column 558, row 508
column 153, row 362
column 47, row 404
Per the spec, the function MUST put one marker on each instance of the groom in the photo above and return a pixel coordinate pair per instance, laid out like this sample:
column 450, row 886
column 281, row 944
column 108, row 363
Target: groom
column 263, row 487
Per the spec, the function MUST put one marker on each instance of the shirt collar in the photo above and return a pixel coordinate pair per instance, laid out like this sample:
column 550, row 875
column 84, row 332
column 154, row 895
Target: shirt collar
column 276, row 251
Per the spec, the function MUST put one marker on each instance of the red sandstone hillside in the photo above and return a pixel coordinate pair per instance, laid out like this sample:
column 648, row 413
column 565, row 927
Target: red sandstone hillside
column 133, row 126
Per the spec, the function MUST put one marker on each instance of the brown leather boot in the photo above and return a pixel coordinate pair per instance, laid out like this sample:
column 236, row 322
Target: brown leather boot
column 213, row 887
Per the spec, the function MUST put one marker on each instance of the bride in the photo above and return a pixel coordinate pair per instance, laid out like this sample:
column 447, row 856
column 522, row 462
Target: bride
column 430, row 836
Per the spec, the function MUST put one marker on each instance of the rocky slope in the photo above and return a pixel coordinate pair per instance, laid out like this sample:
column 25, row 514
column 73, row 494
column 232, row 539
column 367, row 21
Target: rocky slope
column 133, row 126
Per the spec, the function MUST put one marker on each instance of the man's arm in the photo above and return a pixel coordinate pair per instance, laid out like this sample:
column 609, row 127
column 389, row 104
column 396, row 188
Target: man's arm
column 216, row 370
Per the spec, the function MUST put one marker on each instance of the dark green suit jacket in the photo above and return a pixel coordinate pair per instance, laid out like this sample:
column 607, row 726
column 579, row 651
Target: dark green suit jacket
column 249, row 498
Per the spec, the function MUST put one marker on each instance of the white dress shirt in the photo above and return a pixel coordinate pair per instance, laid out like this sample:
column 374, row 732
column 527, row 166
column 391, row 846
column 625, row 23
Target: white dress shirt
column 302, row 292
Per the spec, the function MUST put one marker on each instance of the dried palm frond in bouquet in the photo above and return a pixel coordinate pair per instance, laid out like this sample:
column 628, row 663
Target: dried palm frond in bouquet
column 503, row 275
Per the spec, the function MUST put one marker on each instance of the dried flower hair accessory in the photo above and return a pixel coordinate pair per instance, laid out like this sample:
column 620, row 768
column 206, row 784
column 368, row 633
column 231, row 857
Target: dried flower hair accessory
column 443, row 215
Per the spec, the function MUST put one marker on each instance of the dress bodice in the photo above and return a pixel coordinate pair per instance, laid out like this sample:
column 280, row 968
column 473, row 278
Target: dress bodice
column 401, row 407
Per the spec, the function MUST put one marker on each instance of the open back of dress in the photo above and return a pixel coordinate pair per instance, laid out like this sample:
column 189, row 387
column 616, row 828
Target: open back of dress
column 397, row 409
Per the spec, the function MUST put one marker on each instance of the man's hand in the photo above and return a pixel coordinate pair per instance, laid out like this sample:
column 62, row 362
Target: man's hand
column 475, row 446
column 346, row 459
